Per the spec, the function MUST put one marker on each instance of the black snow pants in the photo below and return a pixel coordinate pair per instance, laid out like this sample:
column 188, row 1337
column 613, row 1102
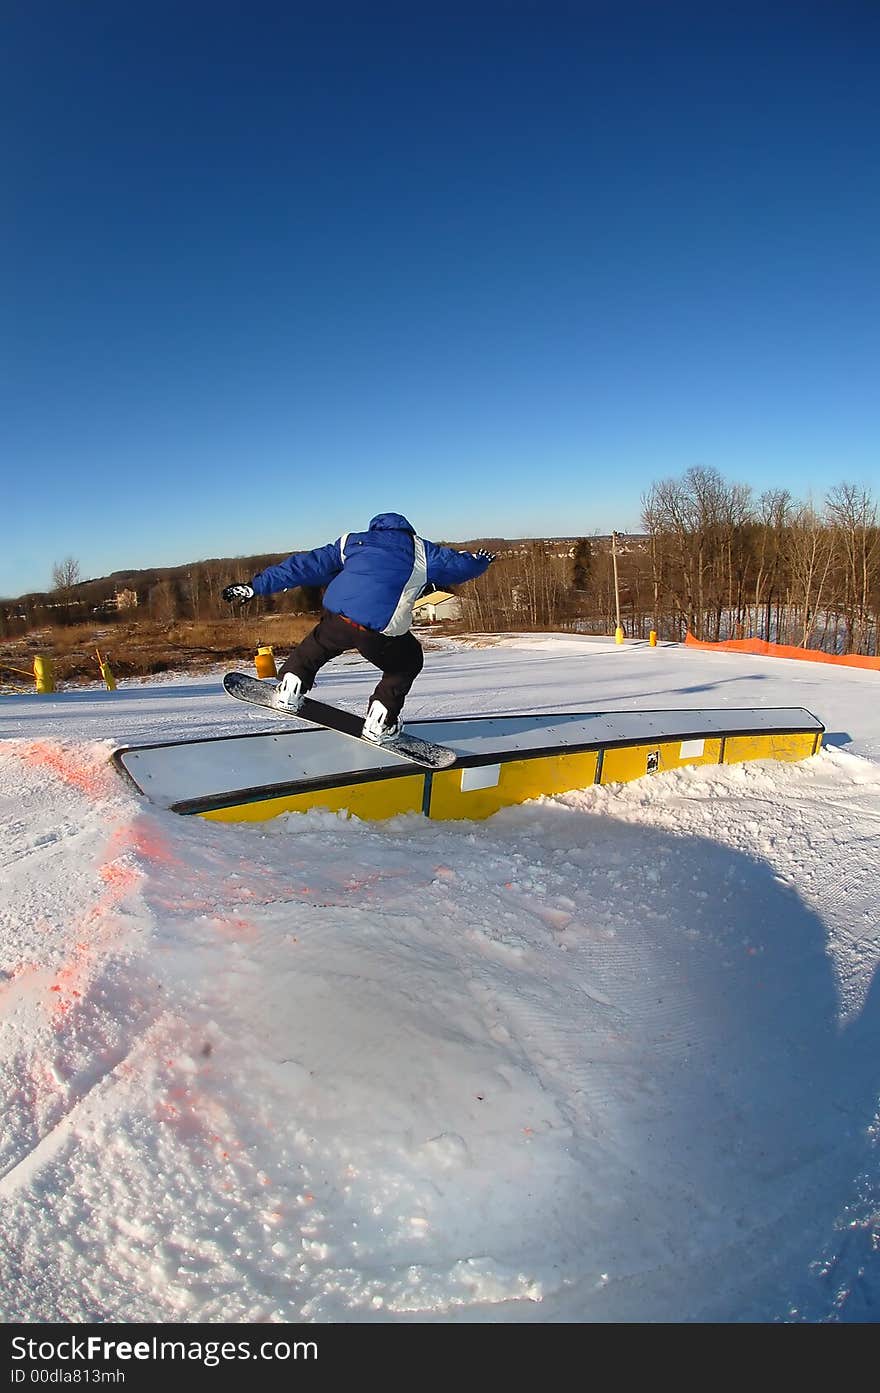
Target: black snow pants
column 400, row 659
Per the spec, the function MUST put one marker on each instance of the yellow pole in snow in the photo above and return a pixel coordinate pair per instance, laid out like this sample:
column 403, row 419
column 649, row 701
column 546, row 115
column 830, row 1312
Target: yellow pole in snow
column 44, row 675
column 618, row 632
column 109, row 679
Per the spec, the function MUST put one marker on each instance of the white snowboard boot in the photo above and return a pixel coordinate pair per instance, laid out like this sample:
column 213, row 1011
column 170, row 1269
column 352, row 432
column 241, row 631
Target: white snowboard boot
column 376, row 726
column 289, row 692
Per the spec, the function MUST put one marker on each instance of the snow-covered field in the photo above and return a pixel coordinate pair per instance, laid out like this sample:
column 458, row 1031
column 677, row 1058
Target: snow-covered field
column 611, row 1056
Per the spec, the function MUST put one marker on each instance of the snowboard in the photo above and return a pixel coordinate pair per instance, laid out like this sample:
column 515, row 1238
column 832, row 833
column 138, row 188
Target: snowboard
column 260, row 692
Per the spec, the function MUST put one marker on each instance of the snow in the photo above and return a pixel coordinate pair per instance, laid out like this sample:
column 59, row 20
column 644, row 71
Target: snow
column 610, row 1056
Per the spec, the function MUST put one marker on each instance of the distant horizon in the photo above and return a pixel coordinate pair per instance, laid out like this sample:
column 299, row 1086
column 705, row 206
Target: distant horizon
column 268, row 551
column 450, row 538
column 278, row 270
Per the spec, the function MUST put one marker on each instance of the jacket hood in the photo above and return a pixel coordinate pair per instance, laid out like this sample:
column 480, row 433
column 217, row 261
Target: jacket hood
column 391, row 522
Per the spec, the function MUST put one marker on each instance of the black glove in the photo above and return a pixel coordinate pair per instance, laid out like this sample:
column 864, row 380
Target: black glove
column 237, row 594
column 484, row 555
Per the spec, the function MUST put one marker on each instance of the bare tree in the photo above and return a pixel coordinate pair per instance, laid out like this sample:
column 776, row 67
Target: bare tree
column 853, row 515
column 685, row 514
column 65, row 576
column 164, row 601
column 651, row 521
column 665, row 517
column 774, row 512
column 810, row 554
column 729, row 538
column 195, row 584
column 65, row 579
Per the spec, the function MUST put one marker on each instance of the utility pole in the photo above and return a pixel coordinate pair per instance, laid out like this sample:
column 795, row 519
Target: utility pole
column 618, row 632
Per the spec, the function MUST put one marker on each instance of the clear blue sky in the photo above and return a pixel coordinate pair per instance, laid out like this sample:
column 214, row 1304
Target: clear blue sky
column 270, row 268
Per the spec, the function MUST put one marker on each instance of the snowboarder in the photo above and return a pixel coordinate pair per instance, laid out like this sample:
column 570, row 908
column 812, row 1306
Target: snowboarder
column 373, row 579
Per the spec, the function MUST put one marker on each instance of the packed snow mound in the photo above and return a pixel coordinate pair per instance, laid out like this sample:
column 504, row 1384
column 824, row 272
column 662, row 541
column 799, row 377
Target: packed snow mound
column 610, row 1056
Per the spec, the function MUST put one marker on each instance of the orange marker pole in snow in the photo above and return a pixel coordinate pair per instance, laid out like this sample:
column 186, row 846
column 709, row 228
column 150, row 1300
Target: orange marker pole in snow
column 264, row 662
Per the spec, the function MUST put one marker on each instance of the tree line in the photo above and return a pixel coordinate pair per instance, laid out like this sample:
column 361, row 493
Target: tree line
column 163, row 595
column 714, row 559
column 727, row 564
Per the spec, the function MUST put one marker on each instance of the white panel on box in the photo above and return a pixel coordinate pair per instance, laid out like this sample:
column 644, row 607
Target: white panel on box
column 486, row 776
column 692, row 749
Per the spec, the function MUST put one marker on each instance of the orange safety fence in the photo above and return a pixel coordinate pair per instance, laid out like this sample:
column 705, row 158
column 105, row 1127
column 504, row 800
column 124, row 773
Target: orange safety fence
column 784, row 650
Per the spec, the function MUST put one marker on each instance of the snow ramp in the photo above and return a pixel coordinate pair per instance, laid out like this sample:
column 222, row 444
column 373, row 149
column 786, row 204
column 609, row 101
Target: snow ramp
column 500, row 761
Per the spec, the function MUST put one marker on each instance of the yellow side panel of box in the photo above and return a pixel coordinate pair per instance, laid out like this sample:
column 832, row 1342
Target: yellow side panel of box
column 518, row 780
column 371, row 801
column 800, row 745
column 625, row 762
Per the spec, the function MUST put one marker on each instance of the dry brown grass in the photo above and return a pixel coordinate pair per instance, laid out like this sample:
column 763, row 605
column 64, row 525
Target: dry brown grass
column 139, row 649
column 280, row 630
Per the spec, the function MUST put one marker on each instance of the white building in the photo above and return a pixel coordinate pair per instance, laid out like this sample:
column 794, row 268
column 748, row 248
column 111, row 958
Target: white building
column 434, row 608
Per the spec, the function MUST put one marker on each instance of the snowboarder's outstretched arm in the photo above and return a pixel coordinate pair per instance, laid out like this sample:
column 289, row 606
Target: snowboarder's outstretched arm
column 449, row 567
column 316, row 567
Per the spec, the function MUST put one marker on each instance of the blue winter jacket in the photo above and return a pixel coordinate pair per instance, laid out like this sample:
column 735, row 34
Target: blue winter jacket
column 374, row 577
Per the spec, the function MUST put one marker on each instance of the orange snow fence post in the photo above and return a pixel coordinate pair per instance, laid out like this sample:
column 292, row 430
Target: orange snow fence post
column 264, row 662
column 784, row 650
column 109, row 679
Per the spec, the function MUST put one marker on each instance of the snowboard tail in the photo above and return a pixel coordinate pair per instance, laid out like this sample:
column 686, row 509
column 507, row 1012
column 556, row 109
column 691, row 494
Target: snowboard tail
column 263, row 693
